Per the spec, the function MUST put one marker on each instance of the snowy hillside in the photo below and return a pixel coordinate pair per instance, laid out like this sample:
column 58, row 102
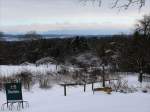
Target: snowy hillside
column 52, row 100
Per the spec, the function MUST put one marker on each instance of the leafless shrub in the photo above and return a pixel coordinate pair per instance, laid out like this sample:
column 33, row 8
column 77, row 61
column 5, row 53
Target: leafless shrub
column 147, row 86
column 25, row 77
column 44, row 82
column 122, row 86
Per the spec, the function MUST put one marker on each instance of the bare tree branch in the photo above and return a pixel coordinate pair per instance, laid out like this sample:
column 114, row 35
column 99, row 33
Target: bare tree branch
column 125, row 4
column 143, row 26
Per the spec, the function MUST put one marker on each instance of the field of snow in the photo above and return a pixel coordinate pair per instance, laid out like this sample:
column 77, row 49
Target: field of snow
column 52, row 100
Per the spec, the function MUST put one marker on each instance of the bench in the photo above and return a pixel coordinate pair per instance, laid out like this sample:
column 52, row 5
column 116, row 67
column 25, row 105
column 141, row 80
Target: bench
column 105, row 89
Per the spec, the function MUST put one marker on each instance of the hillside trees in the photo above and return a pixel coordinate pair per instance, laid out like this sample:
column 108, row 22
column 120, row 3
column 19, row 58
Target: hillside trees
column 142, row 40
column 124, row 54
column 79, row 44
column 104, row 60
column 139, row 51
column 109, row 53
column 137, row 54
column 140, row 55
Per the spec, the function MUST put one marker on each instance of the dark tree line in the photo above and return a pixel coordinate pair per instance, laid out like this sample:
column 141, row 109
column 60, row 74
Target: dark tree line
column 17, row 52
column 129, row 53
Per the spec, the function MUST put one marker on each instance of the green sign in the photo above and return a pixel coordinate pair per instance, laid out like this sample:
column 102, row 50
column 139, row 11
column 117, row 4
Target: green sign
column 13, row 91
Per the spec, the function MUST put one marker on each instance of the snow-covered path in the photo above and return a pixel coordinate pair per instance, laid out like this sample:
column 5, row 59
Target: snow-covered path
column 52, row 100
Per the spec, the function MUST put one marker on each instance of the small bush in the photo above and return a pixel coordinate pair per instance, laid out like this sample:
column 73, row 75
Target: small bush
column 44, row 81
column 122, row 86
column 25, row 77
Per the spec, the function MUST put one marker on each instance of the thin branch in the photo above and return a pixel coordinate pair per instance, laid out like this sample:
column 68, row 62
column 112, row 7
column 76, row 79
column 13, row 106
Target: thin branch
column 120, row 3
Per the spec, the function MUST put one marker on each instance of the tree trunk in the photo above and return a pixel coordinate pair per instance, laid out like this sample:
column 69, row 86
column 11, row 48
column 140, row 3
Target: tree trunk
column 92, row 86
column 84, row 87
column 65, row 93
column 103, row 76
column 141, row 77
column 103, row 80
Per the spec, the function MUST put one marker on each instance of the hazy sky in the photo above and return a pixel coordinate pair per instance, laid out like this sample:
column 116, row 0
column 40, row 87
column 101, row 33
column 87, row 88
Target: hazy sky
column 66, row 16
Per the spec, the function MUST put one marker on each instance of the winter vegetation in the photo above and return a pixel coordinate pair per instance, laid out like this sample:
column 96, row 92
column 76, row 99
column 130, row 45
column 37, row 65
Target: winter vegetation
column 109, row 73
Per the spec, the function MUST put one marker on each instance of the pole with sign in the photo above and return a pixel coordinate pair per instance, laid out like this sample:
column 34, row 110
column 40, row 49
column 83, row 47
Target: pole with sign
column 14, row 95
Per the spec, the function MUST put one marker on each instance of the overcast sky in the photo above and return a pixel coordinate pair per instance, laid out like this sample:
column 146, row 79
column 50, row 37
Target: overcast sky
column 66, row 16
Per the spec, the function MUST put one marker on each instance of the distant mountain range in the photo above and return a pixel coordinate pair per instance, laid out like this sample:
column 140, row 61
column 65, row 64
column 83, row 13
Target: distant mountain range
column 18, row 37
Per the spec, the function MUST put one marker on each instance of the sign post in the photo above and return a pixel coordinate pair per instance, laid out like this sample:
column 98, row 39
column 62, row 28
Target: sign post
column 14, row 93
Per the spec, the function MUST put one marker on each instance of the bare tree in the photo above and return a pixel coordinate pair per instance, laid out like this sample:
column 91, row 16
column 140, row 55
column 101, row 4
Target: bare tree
column 104, row 57
column 143, row 26
column 137, row 55
column 121, row 3
column 141, row 43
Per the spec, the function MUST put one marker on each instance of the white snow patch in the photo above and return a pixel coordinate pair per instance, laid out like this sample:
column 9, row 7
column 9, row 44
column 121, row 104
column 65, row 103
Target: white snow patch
column 9, row 70
column 77, row 101
column 53, row 100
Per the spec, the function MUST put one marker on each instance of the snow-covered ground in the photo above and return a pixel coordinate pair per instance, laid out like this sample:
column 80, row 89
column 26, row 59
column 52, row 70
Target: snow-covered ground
column 9, row 70
column 53, row 99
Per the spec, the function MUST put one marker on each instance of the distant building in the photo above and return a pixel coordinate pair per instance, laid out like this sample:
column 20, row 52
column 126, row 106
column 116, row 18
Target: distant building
column 45, row 61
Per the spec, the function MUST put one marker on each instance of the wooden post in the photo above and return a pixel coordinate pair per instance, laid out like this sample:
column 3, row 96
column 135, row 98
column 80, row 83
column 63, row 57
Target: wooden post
column 65, row 93
column 84, row 87
column 140, row 77
column 92, row 86
column 56, row 66
column 7, row 104
column 22, row 104
column 109, row 82
column 103, row 76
